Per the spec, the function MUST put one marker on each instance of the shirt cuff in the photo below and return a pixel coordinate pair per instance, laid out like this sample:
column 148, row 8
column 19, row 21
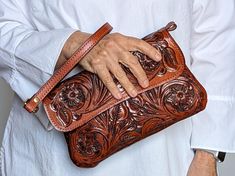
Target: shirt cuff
column 214, row 128
column 35, row 64
column 41, row 115
column 42, row 49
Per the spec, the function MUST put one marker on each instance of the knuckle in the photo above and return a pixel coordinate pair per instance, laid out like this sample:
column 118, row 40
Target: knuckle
column 110, row 43
column 120, row 76
column 96, row 61
column 127, row 85
column 133, row 62
column 107, row 81
column 103, row 53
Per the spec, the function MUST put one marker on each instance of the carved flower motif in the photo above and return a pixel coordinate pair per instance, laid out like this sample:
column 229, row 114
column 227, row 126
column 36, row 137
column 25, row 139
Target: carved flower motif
column 72, row 96
column 87, row 144
column 181, row 97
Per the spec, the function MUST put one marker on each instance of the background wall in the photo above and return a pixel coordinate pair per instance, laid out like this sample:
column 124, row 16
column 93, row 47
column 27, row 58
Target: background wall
column 6, row 96
column 225, row 169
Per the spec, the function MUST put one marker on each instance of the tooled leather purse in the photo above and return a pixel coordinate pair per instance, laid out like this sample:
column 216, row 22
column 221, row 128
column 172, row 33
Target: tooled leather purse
column 95, row 124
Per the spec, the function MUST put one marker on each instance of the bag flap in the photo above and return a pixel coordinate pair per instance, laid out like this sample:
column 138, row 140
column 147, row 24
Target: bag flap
column 79, row 99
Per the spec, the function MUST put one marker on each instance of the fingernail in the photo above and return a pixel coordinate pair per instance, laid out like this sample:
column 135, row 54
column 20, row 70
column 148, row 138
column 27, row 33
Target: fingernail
column 158, row 57
column 146, row 83
column 134, row 93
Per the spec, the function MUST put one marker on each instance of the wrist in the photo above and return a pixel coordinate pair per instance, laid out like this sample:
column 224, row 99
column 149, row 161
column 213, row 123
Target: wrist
column 70, row 46
column 218, row 155
column 205, row 157
column 73, row 43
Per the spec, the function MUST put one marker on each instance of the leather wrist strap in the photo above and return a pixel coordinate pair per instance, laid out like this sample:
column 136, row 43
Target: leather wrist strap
column 31, row 105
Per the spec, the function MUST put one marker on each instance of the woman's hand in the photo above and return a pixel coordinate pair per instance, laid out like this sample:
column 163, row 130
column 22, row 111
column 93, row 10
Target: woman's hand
column 106, row 56
column 203, row 164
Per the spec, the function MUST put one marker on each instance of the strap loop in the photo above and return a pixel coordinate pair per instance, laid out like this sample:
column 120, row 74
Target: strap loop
column 31, row 105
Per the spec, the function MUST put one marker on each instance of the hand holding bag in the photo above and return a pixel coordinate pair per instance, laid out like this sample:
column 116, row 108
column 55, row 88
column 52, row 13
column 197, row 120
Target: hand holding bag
column 95, row 124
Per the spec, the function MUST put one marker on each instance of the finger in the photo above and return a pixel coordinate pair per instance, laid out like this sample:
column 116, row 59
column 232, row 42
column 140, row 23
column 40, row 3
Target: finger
column 127, row 59
column 133, row 64
column 107, row 79
column 121, row 76
column 145, row 48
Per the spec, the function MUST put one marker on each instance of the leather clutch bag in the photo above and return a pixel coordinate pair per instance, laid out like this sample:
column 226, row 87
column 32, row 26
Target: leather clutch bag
column 95, row 124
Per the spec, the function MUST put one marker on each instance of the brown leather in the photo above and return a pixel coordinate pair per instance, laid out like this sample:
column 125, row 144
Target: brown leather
column 31, row 105
column 96, row 125
column 94, row 89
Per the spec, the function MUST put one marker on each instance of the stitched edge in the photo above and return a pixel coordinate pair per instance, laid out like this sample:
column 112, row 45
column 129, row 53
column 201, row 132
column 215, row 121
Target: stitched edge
column 92, row 41
column 180, row 70
column 76, row 125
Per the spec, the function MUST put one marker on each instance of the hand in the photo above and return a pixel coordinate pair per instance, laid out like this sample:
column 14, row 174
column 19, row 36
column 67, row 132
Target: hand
column 106, row 56
column 203, row 164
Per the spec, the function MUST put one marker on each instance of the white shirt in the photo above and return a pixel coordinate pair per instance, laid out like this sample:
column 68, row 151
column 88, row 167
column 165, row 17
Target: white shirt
column 32, row 34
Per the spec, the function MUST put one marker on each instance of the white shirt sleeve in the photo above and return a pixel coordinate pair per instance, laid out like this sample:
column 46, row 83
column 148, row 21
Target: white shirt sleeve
column 213, row 63
column 28, row 57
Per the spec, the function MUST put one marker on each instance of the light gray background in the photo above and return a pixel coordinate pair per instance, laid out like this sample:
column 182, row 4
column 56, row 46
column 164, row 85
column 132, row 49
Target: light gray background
column 225, row 169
